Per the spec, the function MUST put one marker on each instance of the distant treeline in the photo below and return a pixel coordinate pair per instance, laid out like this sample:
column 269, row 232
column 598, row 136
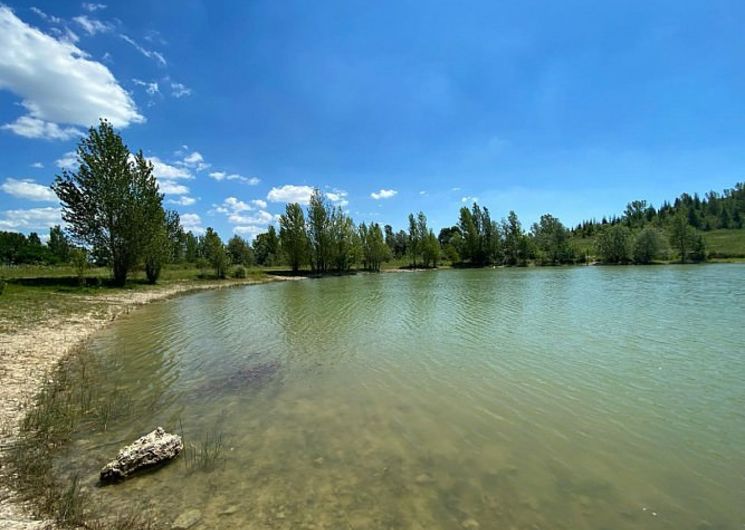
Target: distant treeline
column 115, row 217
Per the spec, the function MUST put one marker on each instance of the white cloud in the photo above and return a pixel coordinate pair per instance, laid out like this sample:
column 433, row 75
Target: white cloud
column 261, row 218
column 57, row 83
column 233, row 205
column 244, row 216
column 192, row 222
column 30, row 127
column 290, row 193
column 179, row 90
column 28, row 189
column 469, row 198
column 172, row 188
column 194, row 160
column 93, row 7
column 222, row 175
column 31, row 219
column 383, row 194
column 49, row 18
column 422, row 192
column 68, row 161
column 184, row 200
column 150, row 54
column 338, row 197
column 92, row 25
column 37, row 165
column 165, row 171
column 151, row 87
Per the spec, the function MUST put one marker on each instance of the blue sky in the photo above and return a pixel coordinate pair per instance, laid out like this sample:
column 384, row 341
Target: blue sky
column 573, row 108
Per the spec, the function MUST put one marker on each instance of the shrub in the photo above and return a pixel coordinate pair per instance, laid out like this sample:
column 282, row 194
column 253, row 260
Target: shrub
column 80, row 262
column 239, row 272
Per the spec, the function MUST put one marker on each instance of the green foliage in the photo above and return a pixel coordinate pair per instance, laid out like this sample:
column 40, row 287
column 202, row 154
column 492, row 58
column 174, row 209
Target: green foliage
column 239, row 272
column 3, row 283
column 614, row 244
column 649, row 245
column 689, row 244
column 319, row 231
column 374, row 248
column 551, row 239
column 111, row 202
column 266, row 248
column 477, row 238
column 517, row 246
column 79, row 259
column 59, row 245
column 215, row 253
column 203, row 455
column 239, row 251
column 293, row 239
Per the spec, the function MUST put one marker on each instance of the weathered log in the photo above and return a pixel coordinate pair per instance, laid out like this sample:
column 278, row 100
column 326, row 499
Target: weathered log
column 154, row 448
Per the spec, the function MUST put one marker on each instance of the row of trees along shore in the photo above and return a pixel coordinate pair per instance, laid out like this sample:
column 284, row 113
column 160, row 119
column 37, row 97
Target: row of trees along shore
column 114, row 213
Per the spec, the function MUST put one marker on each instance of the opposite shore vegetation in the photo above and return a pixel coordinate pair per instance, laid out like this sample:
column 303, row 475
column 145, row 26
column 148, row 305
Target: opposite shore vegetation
column 115, row 218
column 120, row 236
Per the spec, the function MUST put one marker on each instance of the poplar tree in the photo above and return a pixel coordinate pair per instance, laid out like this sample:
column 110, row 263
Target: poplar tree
column 111, row 201
column 293, row 239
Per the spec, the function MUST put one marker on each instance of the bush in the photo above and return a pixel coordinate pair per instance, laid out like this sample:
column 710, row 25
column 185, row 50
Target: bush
column 648, row 245
column 614, row 244
column 3, row 283
column 80, row 262
column 239, row 272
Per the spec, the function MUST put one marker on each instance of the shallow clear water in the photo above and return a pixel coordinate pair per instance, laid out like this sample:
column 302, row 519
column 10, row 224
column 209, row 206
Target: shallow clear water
column 574, row 398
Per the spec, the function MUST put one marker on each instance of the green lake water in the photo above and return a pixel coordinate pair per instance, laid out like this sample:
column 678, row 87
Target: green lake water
column 553, row 398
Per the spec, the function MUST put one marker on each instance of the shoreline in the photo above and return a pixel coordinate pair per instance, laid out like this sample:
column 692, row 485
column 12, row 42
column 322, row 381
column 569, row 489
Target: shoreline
column 29, row 354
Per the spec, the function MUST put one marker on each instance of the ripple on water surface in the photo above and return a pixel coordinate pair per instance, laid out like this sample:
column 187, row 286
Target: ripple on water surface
column 576, row 398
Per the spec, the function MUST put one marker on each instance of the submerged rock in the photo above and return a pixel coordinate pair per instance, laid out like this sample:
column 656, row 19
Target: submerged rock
column 156, row 447
column 187, row 520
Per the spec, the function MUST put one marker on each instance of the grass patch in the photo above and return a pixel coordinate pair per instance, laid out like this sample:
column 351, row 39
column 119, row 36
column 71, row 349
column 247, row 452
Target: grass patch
column 203, row 455
column 725, row 243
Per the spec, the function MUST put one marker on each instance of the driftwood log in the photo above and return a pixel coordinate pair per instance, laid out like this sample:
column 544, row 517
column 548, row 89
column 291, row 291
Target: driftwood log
column 155, row 448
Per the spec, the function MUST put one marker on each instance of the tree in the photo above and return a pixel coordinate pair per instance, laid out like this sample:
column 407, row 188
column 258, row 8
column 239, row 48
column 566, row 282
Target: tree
column 682, row 235
column 414, row 239
column 59, row 245
column 239, row 251
column 191, row 246
column 176, row 237
column 516, row 245
column 344, row 247
column 215, row 253
column 107, row 198
column 319, row 231
column 614, row 244
column 375, row 250
column 430, row 250
column 552, row 240
column 157, row 250
column 266, row 247
column 293, row 239
column 648, row 245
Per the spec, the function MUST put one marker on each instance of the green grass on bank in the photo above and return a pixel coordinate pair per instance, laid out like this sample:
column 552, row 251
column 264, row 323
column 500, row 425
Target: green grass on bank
column 35, row 294
column 721, row 244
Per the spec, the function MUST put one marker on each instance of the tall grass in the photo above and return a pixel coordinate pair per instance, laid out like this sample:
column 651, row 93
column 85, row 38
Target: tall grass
column 205, row 454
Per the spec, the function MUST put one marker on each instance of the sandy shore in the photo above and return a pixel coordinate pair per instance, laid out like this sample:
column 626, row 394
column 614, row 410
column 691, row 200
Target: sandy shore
column 29, row 354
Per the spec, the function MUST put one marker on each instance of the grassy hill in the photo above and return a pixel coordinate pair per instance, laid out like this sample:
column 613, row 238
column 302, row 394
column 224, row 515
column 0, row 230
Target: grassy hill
column 721, row 244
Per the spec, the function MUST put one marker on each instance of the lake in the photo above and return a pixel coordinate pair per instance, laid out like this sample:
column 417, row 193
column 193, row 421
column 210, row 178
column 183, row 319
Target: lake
column 555, row 398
